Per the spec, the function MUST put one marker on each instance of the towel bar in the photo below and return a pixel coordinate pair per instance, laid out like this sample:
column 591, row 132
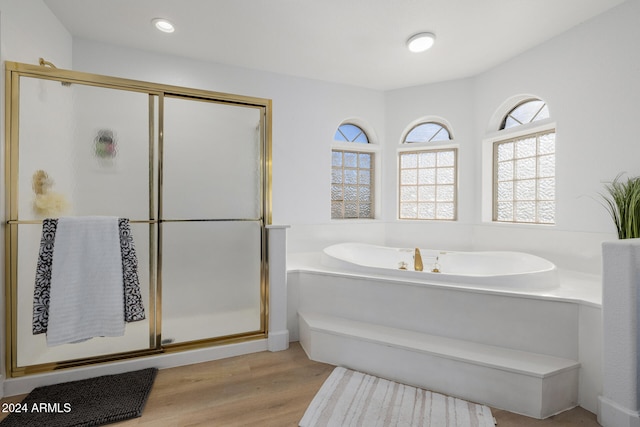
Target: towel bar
column 35, row 221
column 151, row 221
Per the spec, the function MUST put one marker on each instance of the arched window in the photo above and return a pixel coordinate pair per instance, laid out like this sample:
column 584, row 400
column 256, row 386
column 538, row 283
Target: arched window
column 524, row 167
column 428, row 132
column 348, row 132
column 428, row 176
column 352, row 180
column 525, row 112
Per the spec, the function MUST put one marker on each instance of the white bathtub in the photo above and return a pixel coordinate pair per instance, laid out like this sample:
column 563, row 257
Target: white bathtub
column 500, row 270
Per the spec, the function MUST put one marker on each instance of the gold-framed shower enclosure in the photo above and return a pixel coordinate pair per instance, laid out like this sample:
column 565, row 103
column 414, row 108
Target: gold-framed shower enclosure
column 13, row 72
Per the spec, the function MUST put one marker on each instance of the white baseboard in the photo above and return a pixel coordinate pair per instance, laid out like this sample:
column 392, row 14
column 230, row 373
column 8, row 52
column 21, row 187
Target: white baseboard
column 611, row 414
column 278, row 340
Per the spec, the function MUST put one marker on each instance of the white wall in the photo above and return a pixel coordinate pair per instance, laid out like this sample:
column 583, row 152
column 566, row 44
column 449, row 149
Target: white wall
column 28, row 31
column 306, row 115
column 451, row 101
column 588, row 76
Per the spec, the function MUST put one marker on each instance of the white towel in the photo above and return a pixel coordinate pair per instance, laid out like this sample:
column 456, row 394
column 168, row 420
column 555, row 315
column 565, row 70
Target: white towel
column 86, row 281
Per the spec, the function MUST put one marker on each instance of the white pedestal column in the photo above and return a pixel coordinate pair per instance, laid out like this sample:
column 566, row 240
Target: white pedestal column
column 278, row 333
column 619, row 402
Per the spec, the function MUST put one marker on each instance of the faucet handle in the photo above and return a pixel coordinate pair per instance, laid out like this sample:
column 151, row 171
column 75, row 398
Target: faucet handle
column 436, row 266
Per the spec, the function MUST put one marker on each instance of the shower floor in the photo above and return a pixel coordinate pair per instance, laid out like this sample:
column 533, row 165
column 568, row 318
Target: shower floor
column 33, row 350
column 180, row 329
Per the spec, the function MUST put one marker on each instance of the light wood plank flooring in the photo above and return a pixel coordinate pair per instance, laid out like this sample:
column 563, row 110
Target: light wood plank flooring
column 264, row 389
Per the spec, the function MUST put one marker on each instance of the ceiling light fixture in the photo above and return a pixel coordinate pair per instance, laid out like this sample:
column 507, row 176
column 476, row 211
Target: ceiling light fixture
column 421, row 42
column 163, row 25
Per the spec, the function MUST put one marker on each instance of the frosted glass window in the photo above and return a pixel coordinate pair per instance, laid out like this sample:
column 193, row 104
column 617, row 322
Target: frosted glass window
column 211, row 156
column 351, row 133
column 93, row 176
column 428, row 184
column 211, row 279
column 524, row 179
column 526, row 112
column 428, row 132
column 351, row 184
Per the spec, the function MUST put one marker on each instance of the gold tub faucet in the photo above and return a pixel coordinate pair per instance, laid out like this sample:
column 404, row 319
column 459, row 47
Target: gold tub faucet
column 417, row 260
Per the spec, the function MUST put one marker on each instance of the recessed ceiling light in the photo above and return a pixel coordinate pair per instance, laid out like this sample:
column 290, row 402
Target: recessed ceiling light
column 163, row 25
column 421, row 42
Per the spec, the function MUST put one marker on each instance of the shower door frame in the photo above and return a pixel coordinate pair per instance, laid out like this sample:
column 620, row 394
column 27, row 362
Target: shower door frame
column 156, row 92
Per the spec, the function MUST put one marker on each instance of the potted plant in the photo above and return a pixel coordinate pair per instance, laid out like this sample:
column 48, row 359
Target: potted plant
column 623, row 204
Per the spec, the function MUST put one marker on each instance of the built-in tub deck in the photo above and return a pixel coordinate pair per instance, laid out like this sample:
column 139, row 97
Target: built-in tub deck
column 514, row 349
column 572, row 286
column 489, row 269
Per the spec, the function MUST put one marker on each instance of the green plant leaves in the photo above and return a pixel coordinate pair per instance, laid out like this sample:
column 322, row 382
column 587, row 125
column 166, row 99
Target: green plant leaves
column 623, row 204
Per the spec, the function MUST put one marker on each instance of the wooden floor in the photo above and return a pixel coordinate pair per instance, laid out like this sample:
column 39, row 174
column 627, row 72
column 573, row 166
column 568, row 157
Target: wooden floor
column 264, row 389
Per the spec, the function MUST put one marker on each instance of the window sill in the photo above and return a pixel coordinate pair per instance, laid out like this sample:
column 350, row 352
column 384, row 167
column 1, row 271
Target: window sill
column 519, row 224
column 355, row 220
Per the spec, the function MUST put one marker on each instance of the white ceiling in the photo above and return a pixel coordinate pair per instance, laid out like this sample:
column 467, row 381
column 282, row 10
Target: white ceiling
column 357, row 42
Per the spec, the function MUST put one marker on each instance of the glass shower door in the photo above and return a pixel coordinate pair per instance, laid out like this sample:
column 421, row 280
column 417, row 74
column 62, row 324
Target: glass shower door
column 211, row 228
column 83, row 150
column 190, row 169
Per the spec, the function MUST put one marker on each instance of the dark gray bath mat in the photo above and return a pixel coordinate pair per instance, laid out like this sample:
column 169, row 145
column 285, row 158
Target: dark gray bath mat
column 90, row 402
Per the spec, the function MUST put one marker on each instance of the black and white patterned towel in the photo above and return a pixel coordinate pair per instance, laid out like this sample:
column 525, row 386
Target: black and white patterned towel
column 133, row 307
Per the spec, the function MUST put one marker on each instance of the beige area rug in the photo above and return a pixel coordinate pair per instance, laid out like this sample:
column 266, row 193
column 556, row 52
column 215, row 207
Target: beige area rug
column 349, row 398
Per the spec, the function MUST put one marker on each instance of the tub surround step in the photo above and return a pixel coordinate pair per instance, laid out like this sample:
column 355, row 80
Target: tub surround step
column 532, row 364
column 532, row 384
